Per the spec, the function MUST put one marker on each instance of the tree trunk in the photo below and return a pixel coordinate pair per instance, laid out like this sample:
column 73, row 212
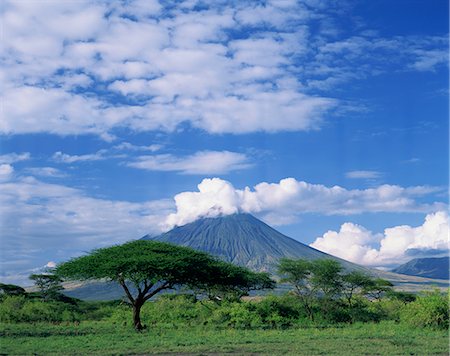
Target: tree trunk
column 137, row 316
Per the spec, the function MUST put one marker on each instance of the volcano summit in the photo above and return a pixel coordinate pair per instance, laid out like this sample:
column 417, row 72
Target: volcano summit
column 244, row 240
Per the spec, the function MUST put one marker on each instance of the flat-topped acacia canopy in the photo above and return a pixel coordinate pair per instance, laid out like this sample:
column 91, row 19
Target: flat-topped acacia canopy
column 153, row 266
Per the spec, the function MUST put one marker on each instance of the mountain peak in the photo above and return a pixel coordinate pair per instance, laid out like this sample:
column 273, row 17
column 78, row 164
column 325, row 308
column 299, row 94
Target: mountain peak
column 242, row 239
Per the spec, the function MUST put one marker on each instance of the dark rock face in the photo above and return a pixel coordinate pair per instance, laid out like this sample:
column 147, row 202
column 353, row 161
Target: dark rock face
column 433, row 267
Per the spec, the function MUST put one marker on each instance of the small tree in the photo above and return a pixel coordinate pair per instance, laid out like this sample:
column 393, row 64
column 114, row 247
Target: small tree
column 404, row 297
column 150, row 267
column 355, row 282
column 49, row 285
column 297, row 273
column 377, row 288
column 11, row 289
column 326, row 277
column 231, row 282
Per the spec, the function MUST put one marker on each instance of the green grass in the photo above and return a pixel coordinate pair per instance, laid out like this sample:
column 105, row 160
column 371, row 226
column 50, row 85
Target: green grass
column 104, row 338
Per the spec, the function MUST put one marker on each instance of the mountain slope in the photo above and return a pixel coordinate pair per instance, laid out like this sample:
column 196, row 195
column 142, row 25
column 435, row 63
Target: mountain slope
column 433, row 267
column 244, row 240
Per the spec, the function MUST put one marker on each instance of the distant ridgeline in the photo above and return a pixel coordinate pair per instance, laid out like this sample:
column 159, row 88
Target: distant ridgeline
column 433, row 267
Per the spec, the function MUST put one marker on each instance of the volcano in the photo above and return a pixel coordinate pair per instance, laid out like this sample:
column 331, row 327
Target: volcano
column 243, row 240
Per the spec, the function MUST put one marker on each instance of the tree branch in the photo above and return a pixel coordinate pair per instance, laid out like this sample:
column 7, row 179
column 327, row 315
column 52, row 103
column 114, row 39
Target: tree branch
column 127, row 291
column 157, row 290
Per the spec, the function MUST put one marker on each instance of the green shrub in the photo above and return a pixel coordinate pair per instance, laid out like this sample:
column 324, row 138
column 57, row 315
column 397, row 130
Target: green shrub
column 243, row 316
column 175, row 310
column 121, row 315
column 363, row 310
column 279, row 312
column 15, row 309
column 386, row 309
column 11, row 308
column 428, row 310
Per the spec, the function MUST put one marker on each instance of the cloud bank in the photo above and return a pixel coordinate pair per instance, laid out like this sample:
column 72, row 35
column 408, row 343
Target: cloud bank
column 285, row 201
column 396, row 245
column 83, row 67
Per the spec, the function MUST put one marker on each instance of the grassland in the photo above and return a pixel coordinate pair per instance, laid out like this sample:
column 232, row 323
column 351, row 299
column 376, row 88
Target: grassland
column 104, row 338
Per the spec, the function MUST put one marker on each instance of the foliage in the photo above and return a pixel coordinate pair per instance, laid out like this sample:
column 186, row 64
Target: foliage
column 297, row 273
column 270, row 312
column 49, row 285
column 353, row 283
column 428, row 310
column 403, row 297
column 23, row 309
column 378, row 288
column 226, row 281
column 152, row 267
column 326, row 278
column 11, row 289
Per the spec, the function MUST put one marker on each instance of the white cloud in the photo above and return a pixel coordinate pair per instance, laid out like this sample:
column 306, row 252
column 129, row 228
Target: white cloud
column 90, row 67
column 395, row 246
column 128, row 146
column 203, row 162
column 364, row 174
column 6, row 171
column 427, row 60
column 46, row 172
column 14, row 157
column 41, row 222
column 286, row 200
column 50, row 264
column 66, row 158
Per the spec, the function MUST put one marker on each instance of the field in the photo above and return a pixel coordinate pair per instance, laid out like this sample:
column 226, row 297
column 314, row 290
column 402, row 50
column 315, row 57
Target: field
column 103, row 338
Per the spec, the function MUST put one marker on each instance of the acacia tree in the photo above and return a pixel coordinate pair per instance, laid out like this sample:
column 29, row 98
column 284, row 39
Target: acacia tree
column 355, row 282
column 297, row 273
column 326, row 277
column 378, row 288
column 231, row 282
column 149, row 267
column 49, row 285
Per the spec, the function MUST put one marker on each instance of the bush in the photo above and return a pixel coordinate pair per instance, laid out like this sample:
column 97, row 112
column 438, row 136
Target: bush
column 174, row 310
column 428, row 310
column 279, row 312
column 21, row 309
column 11, row 308
column 238, row 315
column 386, row 309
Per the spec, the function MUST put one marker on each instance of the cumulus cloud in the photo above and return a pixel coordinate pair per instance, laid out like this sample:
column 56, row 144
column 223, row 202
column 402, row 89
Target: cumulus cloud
column 203, row 162
column 286, row 200
column 357, row 244
column 82, row 67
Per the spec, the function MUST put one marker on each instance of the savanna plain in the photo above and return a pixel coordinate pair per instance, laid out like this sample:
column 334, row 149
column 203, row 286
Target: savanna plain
column 180, row 325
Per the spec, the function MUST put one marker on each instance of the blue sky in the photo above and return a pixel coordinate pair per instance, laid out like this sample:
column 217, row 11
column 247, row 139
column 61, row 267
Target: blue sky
column 326, row 119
